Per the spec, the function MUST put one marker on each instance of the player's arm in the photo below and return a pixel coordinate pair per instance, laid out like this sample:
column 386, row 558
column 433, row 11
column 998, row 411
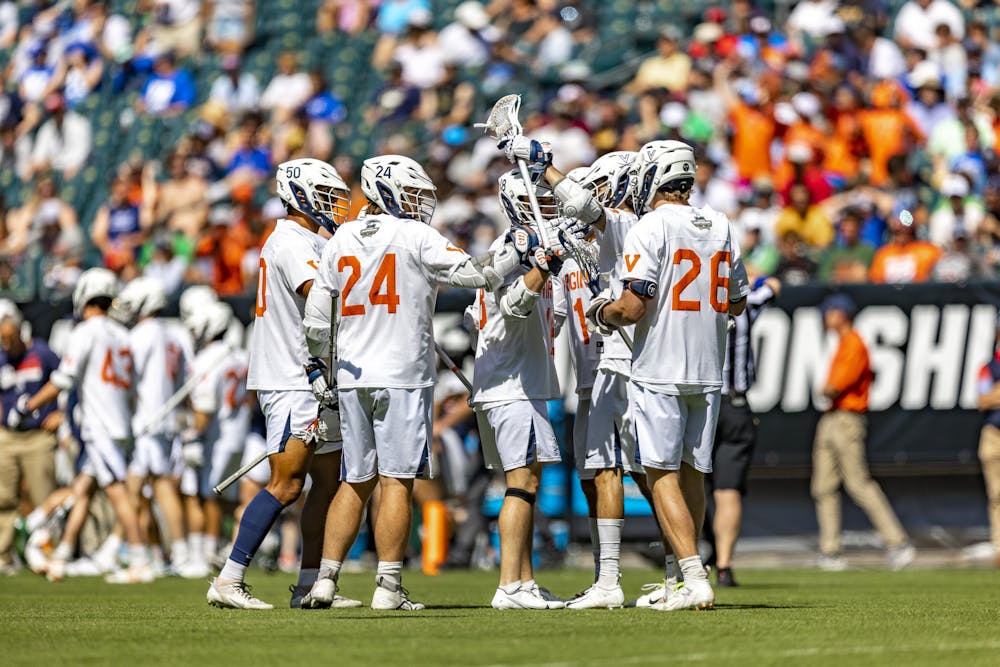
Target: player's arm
column 66, row 376
column 560, row 304
column 518, row 300
column 739, row 283
column 628, row 309
column 605, row 314
column 319, row 306
column 449, row 265
column 576, row 201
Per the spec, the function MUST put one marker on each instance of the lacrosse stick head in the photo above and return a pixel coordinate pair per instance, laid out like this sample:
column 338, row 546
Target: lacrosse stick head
column 502, row 122
column 586, row 255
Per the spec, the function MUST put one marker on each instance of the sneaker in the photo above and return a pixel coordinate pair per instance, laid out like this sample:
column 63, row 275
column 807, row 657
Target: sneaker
column 828, row 563
column 597, row 597
column 688, row 595
column 321, row 595
column 551, row 601
column 37, row 550
column 55, row 569
column 724, row 578
column 519, row 599
column 137, row 574
column 234, row 595
column 655, row 592
column 900, row 556
column 388, row 600
column 83, row 567
column 192, row 569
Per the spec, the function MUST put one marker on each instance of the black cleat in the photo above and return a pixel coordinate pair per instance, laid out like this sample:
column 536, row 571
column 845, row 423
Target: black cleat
column 724, row 578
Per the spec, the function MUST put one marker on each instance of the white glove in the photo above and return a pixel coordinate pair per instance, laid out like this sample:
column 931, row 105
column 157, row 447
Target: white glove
column 595, row 322
column 529, row 150
column 574, row 227
column 316, row 371
column 20, row 412
column 192, row 451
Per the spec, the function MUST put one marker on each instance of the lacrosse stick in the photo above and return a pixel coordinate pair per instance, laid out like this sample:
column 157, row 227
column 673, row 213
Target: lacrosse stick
column 586, row 257
column 229, row 481
column 502, row 124
column 452, row 366
column 177, row 398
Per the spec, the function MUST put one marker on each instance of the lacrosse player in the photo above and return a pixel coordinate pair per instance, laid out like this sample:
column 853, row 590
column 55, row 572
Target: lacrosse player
column 316, row 197
column 682, row 278
column 156, row 358
column 98, row 364
column 515, row 376
column 386, row 268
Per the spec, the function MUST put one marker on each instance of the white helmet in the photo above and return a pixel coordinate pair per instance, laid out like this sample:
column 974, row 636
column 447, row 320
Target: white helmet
column 195, row 298
column 399, row 186
column 314, row 189
column 210, row 321
column 515, row 202
column 93, row 284
column 141, row 297
column 611, row 178
column 662, row 163
column 577, row 174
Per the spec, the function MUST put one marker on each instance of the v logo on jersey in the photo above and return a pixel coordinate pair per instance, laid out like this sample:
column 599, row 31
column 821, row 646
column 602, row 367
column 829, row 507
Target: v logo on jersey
column 631, row 261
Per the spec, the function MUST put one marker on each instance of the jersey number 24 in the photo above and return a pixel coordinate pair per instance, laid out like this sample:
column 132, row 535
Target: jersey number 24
column 383, row 289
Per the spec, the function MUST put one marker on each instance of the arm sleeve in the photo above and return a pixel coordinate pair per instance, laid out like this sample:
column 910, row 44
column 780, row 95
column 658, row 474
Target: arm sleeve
column 517, row 301
column 316, row 322
column 560, row 305
column 74, row 364
column 739, row 284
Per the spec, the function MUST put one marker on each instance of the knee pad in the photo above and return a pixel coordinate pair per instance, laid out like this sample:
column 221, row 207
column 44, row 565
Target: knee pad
column 522, row 494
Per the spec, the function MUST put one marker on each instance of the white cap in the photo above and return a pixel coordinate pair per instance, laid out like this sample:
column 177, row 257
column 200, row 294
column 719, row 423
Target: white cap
column 925, row 72
column 472, row 15
column 954, row 185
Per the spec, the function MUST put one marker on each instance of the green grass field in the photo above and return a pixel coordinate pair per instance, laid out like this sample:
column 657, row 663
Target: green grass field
column 789, row 618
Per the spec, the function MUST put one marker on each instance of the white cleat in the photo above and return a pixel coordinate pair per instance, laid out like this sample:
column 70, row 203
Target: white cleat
column 551, row 601
column 322, row 595
column 234, row 595
column 596, row 597
column 831, row 563
column 519, row 599
column 899, row 557
column 193, row 569
column 55, row 570
column 37, row 550
column 138, row 574
column 689, row 595
column 83, row 567
column 655, row 592
column 386, row 600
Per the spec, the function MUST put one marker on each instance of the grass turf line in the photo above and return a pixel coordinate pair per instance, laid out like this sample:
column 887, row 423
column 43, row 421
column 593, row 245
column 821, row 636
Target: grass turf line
column 776, row 617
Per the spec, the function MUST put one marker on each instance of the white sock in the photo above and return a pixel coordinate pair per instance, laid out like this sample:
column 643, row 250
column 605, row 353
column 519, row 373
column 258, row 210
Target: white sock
column 307, row 577
column 610, row 532
column 529, row 584
column 232, row 571
column 196, row 545
column 211, row 547
column 329, row 569
column 389, row 574
column 35, row 519
column 595, row 546
column 511, row 588
column 179, row 552
column 63, row 552
column 670, row 570
column 693, row 569
column 138, row 555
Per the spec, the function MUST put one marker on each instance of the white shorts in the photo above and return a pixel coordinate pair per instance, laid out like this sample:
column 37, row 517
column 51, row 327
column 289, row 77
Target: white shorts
column 671, row 429
column 105, row 460
column 386, row 432
column 222, row 459
column 522, row 435
column 292, row 414
column 152, row 456
column 260, row 473
column 610, row 441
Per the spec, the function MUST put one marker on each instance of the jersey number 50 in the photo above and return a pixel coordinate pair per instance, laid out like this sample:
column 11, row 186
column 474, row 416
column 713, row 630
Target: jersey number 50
column 718, row 281
column 385, row 278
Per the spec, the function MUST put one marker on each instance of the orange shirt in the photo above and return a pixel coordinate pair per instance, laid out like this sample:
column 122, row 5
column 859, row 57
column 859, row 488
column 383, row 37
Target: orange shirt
column 851, row 374
column 904, row 263
column 752, row 135
column 883, row 130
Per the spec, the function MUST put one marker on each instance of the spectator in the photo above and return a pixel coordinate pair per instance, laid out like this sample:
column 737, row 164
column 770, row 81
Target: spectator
column 815, row 18
column 250, row 158
column 805, row 219
column 349, row 16
column 169, row 91
column 555, row 42
column 419, row 55
column 466, row 41
column 27, row 440
column 958, row 262
column 573, row 144
column 395, row 101
column 669, row 68
column 43, row 219
column 395, row 15
column 929, row 107
column 220, row 252
column 848, row 260
column 762, row 259
column 886, row 129
column 230, row 25
column 979, row 41
column 238, row 92
column 120, row 227
column 15, row 152
column 63, row 142
column 80, row 73
column 918, row 19
column 165, row 265
column 957, row 210
column 176, row 26
column 181, row 203
column 753, row 127
column 794, row 266
column 288, row 90
column 904, row 259
column 8, row 24
column 885, row 60
column 839, row 449
column 39, row 80
column 323, row 111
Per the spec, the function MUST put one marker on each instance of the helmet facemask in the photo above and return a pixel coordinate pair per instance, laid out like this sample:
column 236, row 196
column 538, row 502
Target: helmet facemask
column 332, row 203
column 418, row 203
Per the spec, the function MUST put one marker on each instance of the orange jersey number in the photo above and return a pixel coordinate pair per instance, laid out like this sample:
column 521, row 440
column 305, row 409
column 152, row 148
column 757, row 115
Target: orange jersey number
column 235, row 389
column 261, row 289
column 578, row 309
column 383, row 290
column 718, row 281
column 120, row 376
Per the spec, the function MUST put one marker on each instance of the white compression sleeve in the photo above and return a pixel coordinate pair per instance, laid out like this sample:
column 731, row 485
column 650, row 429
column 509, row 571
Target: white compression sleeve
column 316, row 322
column 485, row 271
column 518, row 301
column 577, row 202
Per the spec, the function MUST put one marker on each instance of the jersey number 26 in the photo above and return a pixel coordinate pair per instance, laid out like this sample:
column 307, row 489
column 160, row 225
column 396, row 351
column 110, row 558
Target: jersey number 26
column 678, row 302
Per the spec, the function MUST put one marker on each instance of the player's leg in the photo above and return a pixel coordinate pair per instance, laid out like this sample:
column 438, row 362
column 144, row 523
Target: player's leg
column 825, row 490
column 989, row 457
column 581, row 428
column 167, row 495
column 83, row 487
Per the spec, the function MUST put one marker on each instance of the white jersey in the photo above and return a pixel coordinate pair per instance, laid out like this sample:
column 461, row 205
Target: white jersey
column 221, row 392
column 155, row 357
column 514, row 357
column 571, row 298
column 278, row 351
column 98, row 364
column 695, row 262
column 615, row 355
column 387, row 271
column 180, row 352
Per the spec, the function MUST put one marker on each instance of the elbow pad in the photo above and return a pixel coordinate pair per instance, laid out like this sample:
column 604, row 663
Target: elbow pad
column 487, row 271
column 518, row 301
column 577, row 201
column 316, row 322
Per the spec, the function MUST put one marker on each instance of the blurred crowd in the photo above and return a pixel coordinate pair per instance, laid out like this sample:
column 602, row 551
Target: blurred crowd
column 815, row 127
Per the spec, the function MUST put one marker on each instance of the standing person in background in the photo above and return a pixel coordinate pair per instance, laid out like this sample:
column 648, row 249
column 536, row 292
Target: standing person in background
column 989, row 442
column 735, row 435
column 839, row 449
column 27, row 450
